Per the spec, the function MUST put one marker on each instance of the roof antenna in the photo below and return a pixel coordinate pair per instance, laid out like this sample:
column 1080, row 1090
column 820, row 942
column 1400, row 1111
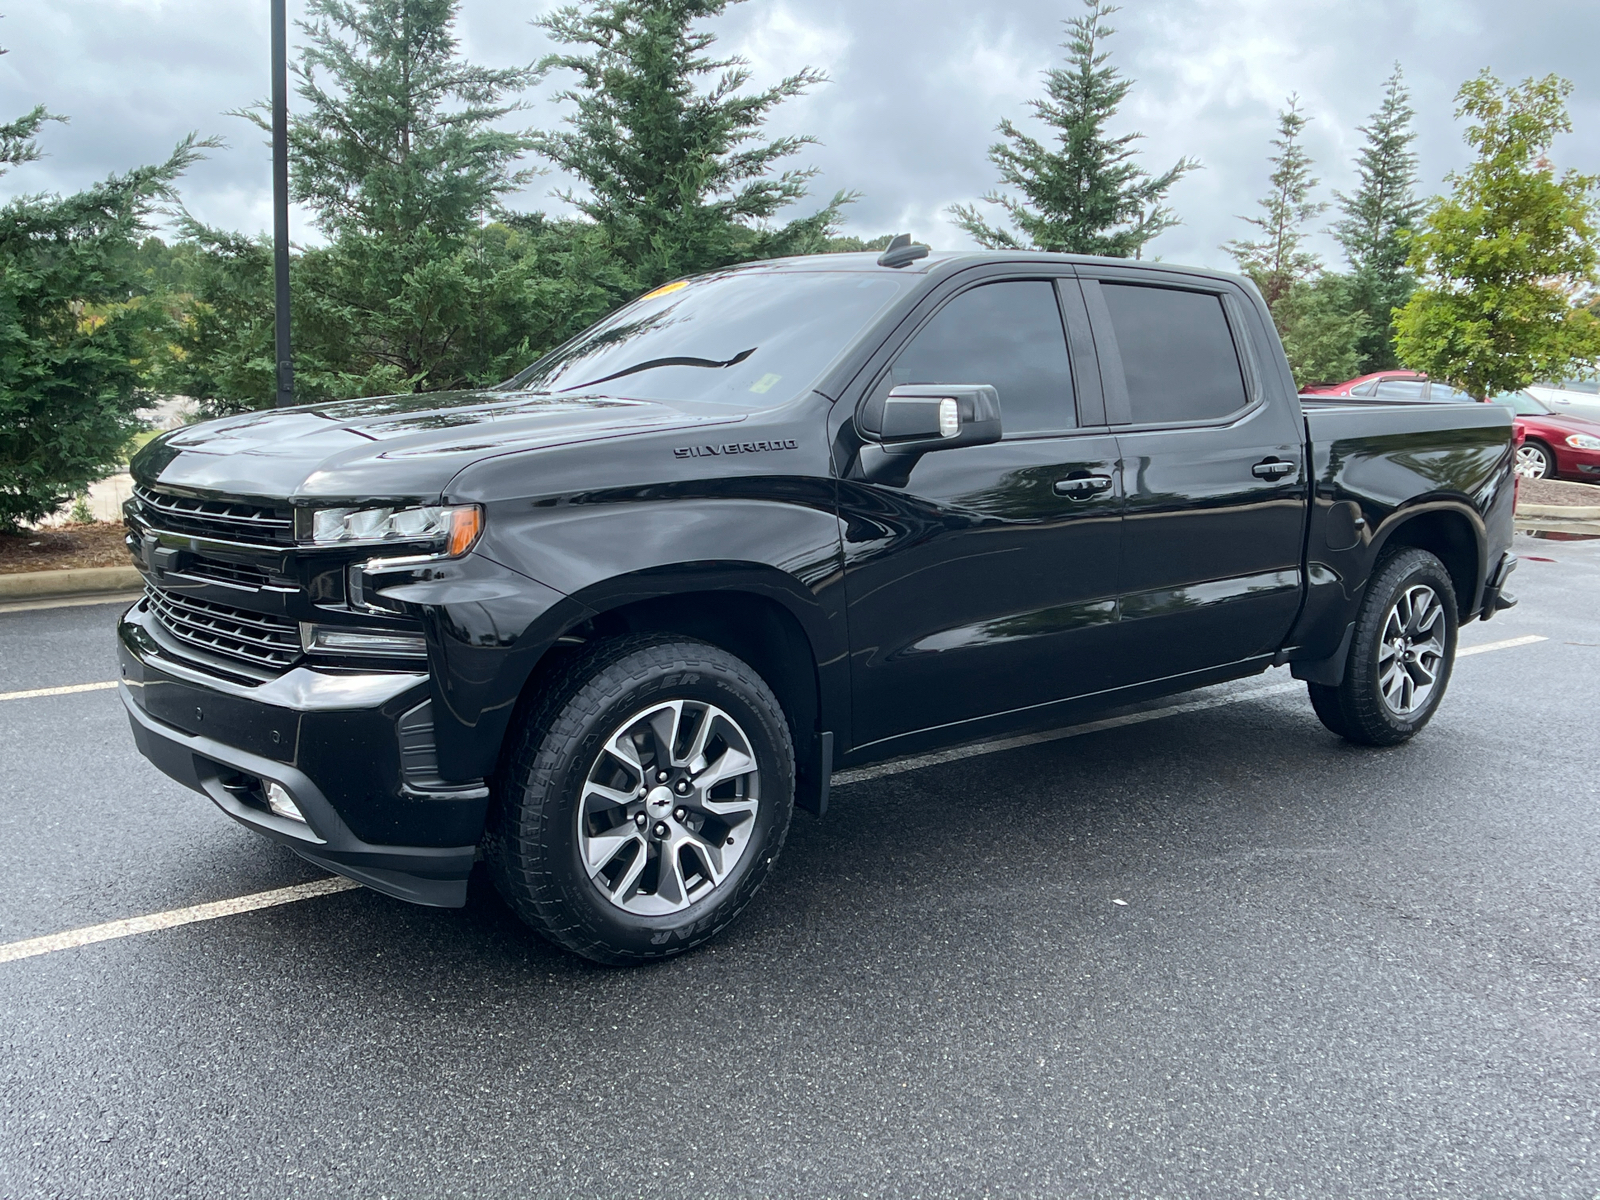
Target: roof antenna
column 902, row 251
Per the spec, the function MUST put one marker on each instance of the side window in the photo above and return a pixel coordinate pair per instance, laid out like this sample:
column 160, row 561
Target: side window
column 1445, row 393
column 1177, row 353
column 1364, row 389
column 1005, row 334
column 1400, row 389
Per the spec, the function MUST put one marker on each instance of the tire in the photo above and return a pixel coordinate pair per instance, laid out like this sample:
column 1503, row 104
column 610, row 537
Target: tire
column 1383, row 702
column 567, row 850
column 1535, row 460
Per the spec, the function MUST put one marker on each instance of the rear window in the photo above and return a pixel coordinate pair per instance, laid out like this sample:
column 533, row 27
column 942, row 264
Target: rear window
column 1400, row 389
column 1177, row 353
column 751, row 337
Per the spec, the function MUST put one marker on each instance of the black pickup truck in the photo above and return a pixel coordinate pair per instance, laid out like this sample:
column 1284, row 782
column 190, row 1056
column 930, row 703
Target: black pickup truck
column 604, row 625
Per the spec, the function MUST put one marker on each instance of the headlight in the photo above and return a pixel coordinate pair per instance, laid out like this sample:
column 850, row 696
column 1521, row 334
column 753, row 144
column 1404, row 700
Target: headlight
column 1584, row 441
column 453, row 530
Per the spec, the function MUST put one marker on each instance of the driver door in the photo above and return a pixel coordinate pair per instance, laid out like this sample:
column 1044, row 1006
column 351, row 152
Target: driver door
column 986, row 585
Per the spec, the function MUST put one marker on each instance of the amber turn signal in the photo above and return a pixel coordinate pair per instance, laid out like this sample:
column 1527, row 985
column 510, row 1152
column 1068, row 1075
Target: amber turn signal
column 466, row 523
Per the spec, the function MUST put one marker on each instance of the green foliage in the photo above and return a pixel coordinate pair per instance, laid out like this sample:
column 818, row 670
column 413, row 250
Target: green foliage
column 1088, row 196
column 76, row 330
column 1278, row 259
column 1377, row 217
column 1507, row 258
column 676, row 178
column 854, row 245
column 81, row 513
column 418, row 287
column 1322, row 330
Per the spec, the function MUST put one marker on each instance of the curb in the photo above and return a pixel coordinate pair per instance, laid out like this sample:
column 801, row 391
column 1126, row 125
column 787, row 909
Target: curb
column 73, row 581
column 1560, row 512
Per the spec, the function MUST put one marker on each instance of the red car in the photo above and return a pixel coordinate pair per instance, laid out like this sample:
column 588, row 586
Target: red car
column 1398, row 384
column 1553, row 445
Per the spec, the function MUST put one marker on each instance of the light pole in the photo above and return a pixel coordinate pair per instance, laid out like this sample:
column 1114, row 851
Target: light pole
column 280, row 199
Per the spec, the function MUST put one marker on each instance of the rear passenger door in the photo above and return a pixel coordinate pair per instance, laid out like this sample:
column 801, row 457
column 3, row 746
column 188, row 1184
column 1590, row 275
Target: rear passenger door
column 1213, row 474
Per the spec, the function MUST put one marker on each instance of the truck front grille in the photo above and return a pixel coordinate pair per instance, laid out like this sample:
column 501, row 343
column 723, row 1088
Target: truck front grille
column 260, row 639
column 222, row 520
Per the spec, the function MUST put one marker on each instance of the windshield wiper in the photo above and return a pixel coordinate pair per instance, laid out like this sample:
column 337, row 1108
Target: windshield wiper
column 653, row 363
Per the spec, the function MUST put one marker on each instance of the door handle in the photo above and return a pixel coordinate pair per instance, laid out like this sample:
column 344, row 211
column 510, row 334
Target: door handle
column 1081, row 487
column 1273, row 468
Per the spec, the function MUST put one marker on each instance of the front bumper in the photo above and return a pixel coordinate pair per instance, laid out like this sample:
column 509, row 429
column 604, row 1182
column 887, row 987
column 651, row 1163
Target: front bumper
column 332, row 741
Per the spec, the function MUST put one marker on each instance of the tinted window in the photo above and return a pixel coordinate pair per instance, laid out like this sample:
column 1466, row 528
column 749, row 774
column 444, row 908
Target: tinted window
column 754, row 337
column 1363, row 389
column 1177, row 353
column 1400, row 389
column 1444, row 392
column 1005, row 334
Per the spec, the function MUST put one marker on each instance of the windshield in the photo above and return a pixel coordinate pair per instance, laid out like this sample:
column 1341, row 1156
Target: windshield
column 748, row 337
column 1522, row 404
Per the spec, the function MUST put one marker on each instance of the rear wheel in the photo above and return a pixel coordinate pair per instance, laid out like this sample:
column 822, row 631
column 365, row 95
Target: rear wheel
column 1400, row 657
column 645, row 800
column 1535, row 461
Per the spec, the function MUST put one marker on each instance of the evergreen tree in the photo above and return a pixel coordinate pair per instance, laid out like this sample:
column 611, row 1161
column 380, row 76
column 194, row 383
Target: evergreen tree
column 1278, row 258
column 1376, row 218
column 398, row 155
column 1319, row 324
column 678, row 178
column 1508, row 259
column 77, row 330
column 1087, row 195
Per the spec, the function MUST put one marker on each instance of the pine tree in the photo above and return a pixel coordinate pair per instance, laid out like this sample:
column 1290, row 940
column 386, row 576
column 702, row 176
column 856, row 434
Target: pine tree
column 678, row 178
column 1510, row 257
column 1278, row 258
column 398, row 154
column 77, row 331
column 1376, row 218
column 1089, row 196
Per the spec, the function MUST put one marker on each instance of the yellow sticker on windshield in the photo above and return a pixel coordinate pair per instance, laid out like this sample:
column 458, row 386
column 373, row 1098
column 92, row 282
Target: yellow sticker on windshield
column 765, row 383
column 666, row 289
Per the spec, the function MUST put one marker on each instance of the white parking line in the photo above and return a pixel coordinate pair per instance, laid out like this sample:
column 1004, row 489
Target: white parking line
column 168, row 920
column 35, row 693
column 1530, row 639
column 324, row 887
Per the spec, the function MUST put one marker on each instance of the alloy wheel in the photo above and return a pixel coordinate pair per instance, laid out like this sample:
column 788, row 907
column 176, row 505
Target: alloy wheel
column 1531, row 462
column 1412, row 652
column 668, row 807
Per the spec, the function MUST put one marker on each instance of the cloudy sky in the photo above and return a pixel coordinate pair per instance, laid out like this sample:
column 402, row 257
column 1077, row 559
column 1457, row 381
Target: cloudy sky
column 916, row 89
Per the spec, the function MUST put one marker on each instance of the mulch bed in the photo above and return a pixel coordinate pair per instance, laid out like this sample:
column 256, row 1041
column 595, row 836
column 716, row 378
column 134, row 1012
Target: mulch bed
column 95, row 545
column 1553, row 491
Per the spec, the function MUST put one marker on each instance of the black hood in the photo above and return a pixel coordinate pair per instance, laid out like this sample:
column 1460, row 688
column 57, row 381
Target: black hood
column 351, row 449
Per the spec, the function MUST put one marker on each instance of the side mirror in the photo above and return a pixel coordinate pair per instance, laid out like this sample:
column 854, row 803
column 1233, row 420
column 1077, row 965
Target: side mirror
column 920, row 417
column 915, row 419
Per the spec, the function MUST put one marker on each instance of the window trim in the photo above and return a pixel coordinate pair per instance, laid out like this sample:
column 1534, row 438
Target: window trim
column 939, row 302
column 1115, row 381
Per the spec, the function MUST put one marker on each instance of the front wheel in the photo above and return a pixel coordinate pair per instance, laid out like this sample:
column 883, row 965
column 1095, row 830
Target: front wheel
column 1400, row 656
column 645, row 801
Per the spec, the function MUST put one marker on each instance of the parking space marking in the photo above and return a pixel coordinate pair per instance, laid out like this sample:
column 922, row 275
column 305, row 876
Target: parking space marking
column 35, row 693
column 132, row 926
column 178, row 916
column 1530, row 639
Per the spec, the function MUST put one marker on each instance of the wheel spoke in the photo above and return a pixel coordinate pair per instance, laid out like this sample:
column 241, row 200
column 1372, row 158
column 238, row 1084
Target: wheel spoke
column 664, row 724
column 626, row 887
column 730, row 765
column 603, row 848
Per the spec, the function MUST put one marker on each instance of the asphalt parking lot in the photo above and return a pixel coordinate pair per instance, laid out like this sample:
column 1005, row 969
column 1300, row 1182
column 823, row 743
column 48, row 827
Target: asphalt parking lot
column 1216, row 953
